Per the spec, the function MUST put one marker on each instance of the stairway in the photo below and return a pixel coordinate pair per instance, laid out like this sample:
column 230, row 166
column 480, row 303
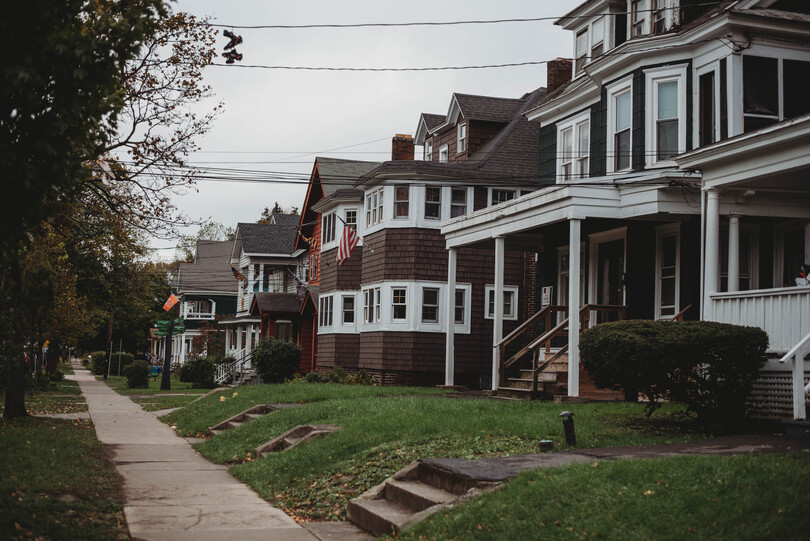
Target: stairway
column 293, row 437
column 251, row 413
column 410, row 496
column 245, row 377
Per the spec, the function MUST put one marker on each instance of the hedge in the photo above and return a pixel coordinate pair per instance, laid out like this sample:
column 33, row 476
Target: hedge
column 276, row 360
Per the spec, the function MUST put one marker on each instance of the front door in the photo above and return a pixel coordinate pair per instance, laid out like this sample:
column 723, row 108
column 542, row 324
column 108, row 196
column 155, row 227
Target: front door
column 610, row 276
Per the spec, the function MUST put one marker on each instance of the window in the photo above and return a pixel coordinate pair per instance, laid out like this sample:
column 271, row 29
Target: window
column 581, row 50
column 638, row 17
column 665, row 111
column 458, row 202
column 509, row 302
column 351, row 218
column 575, row 148
column 401, row 200
column 444, row 154
column 348, row 309
column 460, row 307
column 328, row 228
column 659, row 16
column 428, row 156
column 501, row 196
column 371, row 305
column 706, row 112
column 374, row 207
column 461, row 143
column 620, row 127
column 433, row 202
column 399, row 308
column 765, row 101
column 597, row 37
column 313, row 267
column 667, row 271
column 430, row 305
column 749, row 250
column 325, row 311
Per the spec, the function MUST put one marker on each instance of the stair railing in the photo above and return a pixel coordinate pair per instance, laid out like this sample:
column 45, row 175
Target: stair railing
column 545, row 314
column 796, row 356
column 228, row 371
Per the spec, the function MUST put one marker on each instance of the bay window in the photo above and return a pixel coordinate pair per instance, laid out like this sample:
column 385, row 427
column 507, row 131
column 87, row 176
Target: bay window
column 401, row 201
column 433, row 202
column 666, row 107
column 458, row 202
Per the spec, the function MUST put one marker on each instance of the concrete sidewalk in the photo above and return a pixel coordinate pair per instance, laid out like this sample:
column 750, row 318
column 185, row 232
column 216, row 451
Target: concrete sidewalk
column 170, row 491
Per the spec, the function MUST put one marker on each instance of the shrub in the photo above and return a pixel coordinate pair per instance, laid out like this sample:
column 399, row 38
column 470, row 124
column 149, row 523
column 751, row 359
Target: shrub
column 709, row 366
column 98, row 362
column 137, row 375
column 276, row 360
column 126, row 359
column 199, row 372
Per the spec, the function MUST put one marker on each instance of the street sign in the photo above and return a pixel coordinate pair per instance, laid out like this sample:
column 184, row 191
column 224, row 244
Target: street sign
column 161, row 333
column 178, row 321
column 163, row 323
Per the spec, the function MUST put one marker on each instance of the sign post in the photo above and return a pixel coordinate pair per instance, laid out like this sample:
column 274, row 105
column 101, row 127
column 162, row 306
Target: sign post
column 165, row 381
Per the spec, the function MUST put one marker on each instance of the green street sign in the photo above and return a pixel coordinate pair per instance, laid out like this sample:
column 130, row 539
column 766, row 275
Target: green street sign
column 162, row 323
column 178, row 321
column 161, row 333
column 179, row 330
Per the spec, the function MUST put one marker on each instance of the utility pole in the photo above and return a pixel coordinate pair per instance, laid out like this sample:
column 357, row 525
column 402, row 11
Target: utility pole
column 165, row 381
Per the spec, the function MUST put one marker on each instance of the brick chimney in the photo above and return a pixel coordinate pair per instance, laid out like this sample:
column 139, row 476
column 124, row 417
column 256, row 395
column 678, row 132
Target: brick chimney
column 402, row 147
column 558, row 72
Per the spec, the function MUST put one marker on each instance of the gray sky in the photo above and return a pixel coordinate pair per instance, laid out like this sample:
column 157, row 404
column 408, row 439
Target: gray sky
column 284, row 119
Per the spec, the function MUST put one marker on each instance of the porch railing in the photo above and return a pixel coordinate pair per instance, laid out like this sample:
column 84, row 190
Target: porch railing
column 783, row 313
column 228, row 371
column 796, row 357
column 543, row 342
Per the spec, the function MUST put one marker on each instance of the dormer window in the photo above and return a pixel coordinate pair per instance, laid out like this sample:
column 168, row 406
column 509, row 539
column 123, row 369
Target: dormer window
column 589, row 44
column 659, row 16
column 428, row 150
column 444, row 154
column 581, row 50
column 461, row 145
column 638, row 17
column 598, row 37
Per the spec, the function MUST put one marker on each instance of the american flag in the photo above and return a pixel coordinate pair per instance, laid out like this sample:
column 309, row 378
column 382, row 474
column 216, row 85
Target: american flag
column 348, row 241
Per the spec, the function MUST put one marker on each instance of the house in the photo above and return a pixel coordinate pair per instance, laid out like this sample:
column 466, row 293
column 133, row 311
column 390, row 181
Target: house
column 388, row 308
column 265, row 255
column 207, row 291
column 672, row 176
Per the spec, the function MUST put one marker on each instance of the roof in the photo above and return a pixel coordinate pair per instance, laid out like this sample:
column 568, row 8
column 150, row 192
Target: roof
column 336, row 173
column 284, row 219
column 775, row 14
column 210, row 271
column 266, row 303
column 267, row 238
column 487, row 108
column 511, row 155
column 432, row 120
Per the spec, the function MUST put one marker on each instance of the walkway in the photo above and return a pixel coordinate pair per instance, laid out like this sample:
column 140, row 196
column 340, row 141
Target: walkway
column 170, row 491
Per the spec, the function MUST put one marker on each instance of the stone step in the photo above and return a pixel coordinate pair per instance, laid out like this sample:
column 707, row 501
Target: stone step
column 415, row 495
column 526, row 373
column 380, row 517
column 251, row 413
column 293, row 437
column 515, row 392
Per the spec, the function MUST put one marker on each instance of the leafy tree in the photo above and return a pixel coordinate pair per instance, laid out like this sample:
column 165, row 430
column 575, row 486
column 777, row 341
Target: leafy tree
column 211, row 230
column 267, row 213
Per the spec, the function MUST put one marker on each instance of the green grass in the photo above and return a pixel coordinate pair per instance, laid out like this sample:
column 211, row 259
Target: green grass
column 741, row 497
column 382, row 434
column 57, row 482
column 158, row 402
column 119, row 384
column 64, row 397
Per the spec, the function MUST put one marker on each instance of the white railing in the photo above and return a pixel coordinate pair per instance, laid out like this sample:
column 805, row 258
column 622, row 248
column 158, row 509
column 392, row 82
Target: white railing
column 783, row 313
column 796, row 357
column 228, row 371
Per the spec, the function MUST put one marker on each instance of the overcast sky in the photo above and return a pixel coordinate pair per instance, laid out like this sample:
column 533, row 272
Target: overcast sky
column 280, row 120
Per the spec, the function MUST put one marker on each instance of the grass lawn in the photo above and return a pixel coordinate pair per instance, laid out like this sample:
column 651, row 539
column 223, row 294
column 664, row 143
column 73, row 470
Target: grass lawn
column 63, row 397
column 119, row 384
column 57, row 482
column 383, row 433
column 158, row 402
column 742, row 497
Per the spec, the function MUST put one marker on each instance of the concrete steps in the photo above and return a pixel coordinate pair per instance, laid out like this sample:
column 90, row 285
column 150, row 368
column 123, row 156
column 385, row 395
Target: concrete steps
column 410, row 496
column 249, row 414
column 293, row 437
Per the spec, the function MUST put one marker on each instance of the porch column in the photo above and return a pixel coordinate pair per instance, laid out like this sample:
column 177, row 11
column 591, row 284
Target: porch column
column 449, row 348
column 712, row 256
column 239, row 345
column 497, row 323
column 227, row 339
column 733, row 253
column 183, row 348
column 261, row 277
column 574, row 227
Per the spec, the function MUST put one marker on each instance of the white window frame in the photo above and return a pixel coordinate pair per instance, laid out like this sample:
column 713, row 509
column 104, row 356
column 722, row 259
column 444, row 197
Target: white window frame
column 661, row 232
column 491, row 195
column 581, row 55
column 398, row 202
column 427, row 154
column 404, row 303
column 328, row 228
column 350, row 218
column 578, row 157
column 461, row 138
column 444, row 154
column 326, row 311
column 371, row 305
column 654, row 77
column 613, row 91
column 593, row 44
column 455, row 307
column 453, row 205
column 713, row 67
column 512, row 315
column 640, row 19
column 436, row 203
column 343, row 310
column 374, row 207
column 438, row 305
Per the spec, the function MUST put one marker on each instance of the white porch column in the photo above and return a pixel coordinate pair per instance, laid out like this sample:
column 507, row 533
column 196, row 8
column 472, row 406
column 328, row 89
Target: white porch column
column 227, row 339
column 183, row 348
column 574, row 227
column 806, row 243
column 261, row 277
column 734, row 253
column 449, row 349
column 799, row 409
column 712, row 256
column 497, row 323
column 239, row 344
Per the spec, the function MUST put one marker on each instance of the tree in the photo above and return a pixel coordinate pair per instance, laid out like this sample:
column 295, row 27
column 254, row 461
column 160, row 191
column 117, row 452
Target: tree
column 63, row 94
column 267, row 213
column 211, row 230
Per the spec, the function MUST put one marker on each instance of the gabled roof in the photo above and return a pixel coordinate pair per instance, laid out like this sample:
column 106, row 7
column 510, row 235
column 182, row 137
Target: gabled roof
column 336, row 173
column 211, row 269
column 275, row 303
column 431, row 120
column 267, row 238
column 511, row 155
column 487, row 108
column 284, row 219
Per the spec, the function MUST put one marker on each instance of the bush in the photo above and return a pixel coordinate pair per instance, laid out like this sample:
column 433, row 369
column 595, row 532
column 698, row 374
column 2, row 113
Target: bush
column 276, row 360
column 137, row 375
column 98, row 363
column 199, row 372
column 338, row 375
column 125, row 358
column 709, row 366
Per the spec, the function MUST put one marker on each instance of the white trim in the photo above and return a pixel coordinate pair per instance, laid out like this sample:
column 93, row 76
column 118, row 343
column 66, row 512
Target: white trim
column 490, row 191
column 514, row 290
column 661, row 232
column 654, row 77
column 444, row 149
column 574, row 123
column 461, row 142
column 613, row 90
column 595, row 239
column 711, row 67
column 427, row 151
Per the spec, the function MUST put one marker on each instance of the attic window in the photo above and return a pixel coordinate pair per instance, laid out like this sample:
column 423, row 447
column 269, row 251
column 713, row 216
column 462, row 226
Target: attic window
column 428, row 150
column 581, row 50
column 462, row 138
column 598, row 37
column 638, row 17
column 444, row 154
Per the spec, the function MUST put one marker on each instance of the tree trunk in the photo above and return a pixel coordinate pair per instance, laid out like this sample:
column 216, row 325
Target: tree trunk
column 52, row 358
column 12, row 345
